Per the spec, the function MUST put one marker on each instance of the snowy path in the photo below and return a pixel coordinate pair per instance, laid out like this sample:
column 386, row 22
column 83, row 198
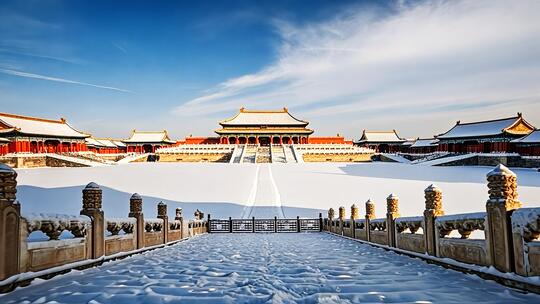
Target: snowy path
column 262, row 268
column 264, row 200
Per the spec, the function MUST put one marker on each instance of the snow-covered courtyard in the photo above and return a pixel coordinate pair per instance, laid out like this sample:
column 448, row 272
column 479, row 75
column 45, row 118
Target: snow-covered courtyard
column 263, row 190
column 267, row 268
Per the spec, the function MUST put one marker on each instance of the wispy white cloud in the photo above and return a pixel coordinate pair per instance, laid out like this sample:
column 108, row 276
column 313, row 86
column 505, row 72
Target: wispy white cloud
column 379, row 67
column 119, row 47
column 55, row 79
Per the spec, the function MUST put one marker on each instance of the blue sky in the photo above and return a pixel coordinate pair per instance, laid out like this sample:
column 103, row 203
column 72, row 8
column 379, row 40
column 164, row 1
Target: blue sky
column 112, row 66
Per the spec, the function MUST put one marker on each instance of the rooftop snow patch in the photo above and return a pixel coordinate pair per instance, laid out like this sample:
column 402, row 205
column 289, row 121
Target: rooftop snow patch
column 39, row 126
column 269, row 118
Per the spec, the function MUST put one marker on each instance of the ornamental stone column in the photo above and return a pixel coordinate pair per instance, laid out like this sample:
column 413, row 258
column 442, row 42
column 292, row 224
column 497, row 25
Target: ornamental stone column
column 392, row 213
column 162, row 214
column 503, row 200
column 433, row 209
column 354, row 217
column 135, row 211
column 341, row 215
column 92, row 207
column 330, row 223
column 10, row 216
column 180, row 217
column 370, row 214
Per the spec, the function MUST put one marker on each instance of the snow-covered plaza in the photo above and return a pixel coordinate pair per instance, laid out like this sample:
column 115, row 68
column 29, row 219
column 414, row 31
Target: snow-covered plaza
column 263, row 190
column 267, row 268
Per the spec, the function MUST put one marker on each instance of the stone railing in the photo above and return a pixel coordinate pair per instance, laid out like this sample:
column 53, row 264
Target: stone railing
column 450, row 237
column 42, row 245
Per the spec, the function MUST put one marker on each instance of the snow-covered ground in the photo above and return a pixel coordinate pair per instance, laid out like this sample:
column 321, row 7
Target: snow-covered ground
column 263, row 190
column 268, row 268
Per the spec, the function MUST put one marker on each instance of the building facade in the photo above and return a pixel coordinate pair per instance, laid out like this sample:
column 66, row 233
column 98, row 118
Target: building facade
column 264, row 128
column 38, row 135
column 381, row 141
column 527, row 145
column 147, row 142
column 484, row 136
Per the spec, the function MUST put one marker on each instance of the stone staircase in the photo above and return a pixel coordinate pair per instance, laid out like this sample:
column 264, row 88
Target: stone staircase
column 289, row 154
column 278, row 154
column 250, row 154
column 263, row 154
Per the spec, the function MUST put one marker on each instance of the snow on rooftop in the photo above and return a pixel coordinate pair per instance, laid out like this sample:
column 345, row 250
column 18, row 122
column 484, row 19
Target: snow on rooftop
column 381, row 136
column 532, row 138
column 281, row 117
column 148, row 137
column 38, row 126
column 90, row 141
column 421, row 143
column 481, row 128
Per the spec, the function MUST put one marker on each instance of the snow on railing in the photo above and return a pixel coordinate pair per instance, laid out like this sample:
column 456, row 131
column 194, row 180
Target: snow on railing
column 378, row 224
column 153, row 224
column 54, row 224
column 465, row 224
column 526, row 221
column 413, row 223
column 115, row 225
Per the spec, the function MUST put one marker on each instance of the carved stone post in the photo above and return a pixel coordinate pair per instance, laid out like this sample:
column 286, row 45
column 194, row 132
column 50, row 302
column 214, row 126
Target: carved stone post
column 10, row 215
column 392, row 214
column 92, row 203
column 433, row 209
column 330, row 223
column 135, row 211
column 370, row 214
column 502, row 184
column 162, row 214
column 341, row 214
column 354, row 217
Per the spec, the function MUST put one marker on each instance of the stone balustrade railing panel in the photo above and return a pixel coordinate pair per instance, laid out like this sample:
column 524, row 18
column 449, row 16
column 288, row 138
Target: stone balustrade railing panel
column 526, row 234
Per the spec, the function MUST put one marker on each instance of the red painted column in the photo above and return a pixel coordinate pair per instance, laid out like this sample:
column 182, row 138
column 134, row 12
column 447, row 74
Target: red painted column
column 281, row 140
column 257, row 140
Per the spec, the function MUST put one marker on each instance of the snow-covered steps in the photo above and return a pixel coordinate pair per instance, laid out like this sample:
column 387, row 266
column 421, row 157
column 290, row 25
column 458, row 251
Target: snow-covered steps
column 237, row 154
column 278, row 154
column 75, row 160
column 396, row 158
column 132, row 158
column 263, row 154
column 250, row 154
column 448, row 159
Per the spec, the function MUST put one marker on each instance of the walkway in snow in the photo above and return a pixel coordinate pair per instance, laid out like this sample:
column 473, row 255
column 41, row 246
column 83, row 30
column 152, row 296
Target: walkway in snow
column 268, row 268
column 264, row 200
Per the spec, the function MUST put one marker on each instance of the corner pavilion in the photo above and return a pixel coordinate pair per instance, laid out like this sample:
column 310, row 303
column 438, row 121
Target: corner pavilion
column 264, row 128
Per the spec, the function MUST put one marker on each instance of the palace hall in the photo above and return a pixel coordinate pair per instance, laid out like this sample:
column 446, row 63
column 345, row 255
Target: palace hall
column 264, row 128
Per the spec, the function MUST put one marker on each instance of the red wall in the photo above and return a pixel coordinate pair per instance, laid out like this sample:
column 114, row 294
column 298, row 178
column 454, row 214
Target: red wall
column 328, row 140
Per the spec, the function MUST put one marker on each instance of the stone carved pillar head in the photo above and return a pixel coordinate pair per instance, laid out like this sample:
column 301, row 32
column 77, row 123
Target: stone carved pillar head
column 392, row 205
column 199, row 215
column 135, row 205
column 331, row 213
column 178, row 215
column 370, row 209
column 502, row 184
column 92, row 197
column 341, row 211
column 8, row 185
column 433, row 196
column 161, row 210
column 354, row 212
